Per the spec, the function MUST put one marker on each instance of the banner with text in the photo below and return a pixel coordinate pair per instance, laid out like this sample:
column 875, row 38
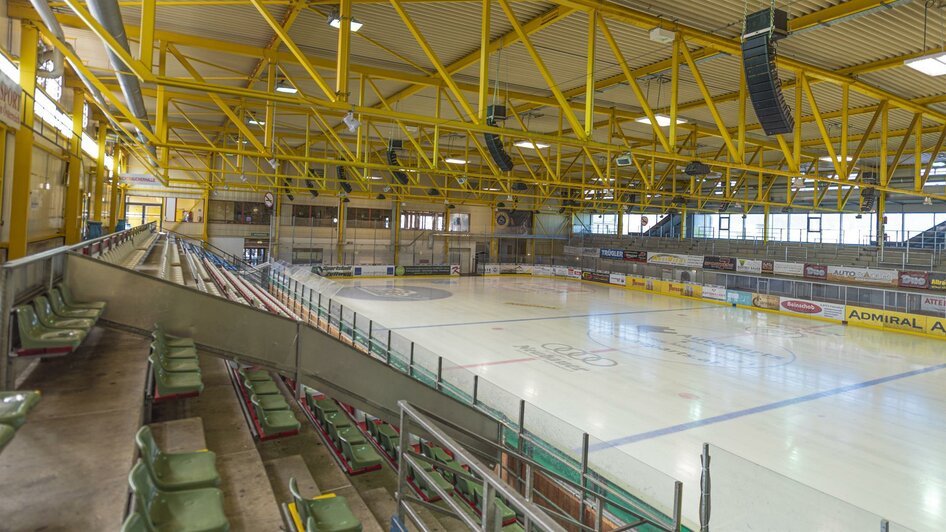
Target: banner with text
column 862, row 275
column 673, row 259
column 812, row 308
column 713, row 262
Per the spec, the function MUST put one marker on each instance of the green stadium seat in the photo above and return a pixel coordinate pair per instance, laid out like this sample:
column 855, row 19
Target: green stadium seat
column 473, row 491
column 135, row 523
column 6, row 435
column 272, row 402
column 177, row 365
column 34, row 336
column 349, row 432
column 262, row 387
column 421, row 483
column 255, row 375
column 389, row 438
column 172, row 341
column 72, row 303
column 324, row 407
column 372, row 428
column 176, row 471
column 168, row 383
column 450, row 470
column 174, row 352
column 325, row 513
column 15, row 405
column 335, row 421
column 357, row 451
column 197, row 510
column 61, row 309
column 44, row 311
column 310, row 397
column 274, row 421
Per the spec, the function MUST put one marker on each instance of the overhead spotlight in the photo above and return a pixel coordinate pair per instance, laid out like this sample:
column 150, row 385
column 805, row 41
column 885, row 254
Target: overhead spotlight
column 927, row 201
column 461, row 180
column 243, row 178
column 931, row 65
column 380, row 196
column 352, row 122
column 272, row 162
column 284, row 86
column 255, row 122
column 500, row 205
column 335, row 21
column 509, row 197
column 386, row 188
column 451, row 206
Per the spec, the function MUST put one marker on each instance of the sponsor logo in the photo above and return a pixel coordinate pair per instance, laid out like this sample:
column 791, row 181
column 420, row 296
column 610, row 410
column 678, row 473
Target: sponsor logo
column 635, row 256
column 803, row 307
column 913, row 279
column 816, row 271
column 886, row 319
column 566, row 356
column 612, row 254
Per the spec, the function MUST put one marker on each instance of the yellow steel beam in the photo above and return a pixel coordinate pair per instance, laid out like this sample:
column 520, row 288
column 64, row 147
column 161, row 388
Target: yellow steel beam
column 900, row 149
column 344, row 47
column 825, row 17
column 698, row 78
column 146, row 42
column 825, row 137
column 72, row 210
column 292, row 46
column 23, row 148
column 134, row 66
column 484, row 59
column 590, row 76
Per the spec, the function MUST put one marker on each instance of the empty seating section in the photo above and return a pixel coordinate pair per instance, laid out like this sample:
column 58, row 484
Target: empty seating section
column 14, row 406
column 53, row 323
column 341, row 433
column 176, row 471
column 130, row 253
column 175, row 369
column 265, row 404
column 198, row 509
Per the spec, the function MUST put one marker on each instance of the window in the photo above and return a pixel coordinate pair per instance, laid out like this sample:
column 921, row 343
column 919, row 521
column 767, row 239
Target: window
column 310, row 215
column 239, row 212
column 422, row 221
column 52, row 86
column 368, row 218
column 459, row 222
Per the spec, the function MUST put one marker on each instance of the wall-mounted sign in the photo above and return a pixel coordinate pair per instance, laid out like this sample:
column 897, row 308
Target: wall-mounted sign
column 139, row 179
column 10, row 95
column 268, row 200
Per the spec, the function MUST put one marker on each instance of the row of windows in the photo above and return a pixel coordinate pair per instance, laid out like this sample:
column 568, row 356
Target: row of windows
column 255, row 213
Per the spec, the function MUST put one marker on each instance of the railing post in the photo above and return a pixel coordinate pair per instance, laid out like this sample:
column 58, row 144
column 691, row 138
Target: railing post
column 298, row 360
column 403, row 444
column 476, row 387
column 490, row 515
column 884, row 525
column 705, row 490
column 677, row 506
column 439, row 372
column 410, row 363
column 582, row 505
column 387, row 352
column 6, row 324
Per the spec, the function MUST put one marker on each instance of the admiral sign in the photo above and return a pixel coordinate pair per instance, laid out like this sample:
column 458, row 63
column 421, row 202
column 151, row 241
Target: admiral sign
column 616, row 254
column 812, row 308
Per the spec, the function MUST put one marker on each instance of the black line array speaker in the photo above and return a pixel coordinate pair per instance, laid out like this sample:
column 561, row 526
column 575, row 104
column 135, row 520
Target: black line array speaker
column 762, row 81
column 342, row 178
column 496, row 150
column 310, row 183
column 289, row 193
column 399, row 175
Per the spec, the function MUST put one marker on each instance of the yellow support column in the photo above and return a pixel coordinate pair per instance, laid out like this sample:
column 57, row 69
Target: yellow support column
column 344, row 45
column 765, row 223
column 484, row 60
column 113, row 203
column 73, row 209
column 96, row 214
column 121, row 204
column 274, row 237
column 340, row 241
column 396, row 230
column 23, row 150
column 204, row 235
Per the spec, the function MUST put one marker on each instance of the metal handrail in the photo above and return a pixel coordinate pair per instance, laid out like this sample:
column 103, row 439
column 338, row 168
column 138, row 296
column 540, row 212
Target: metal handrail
column 492, row 485
column 50, row 253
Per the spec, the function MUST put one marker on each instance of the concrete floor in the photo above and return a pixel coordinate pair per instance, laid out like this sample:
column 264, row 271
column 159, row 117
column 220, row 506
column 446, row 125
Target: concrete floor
column 67, row 468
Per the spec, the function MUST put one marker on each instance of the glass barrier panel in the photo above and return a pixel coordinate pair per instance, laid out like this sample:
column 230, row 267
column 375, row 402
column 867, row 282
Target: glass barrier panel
column 499, row 403
column 632, row 488
column 746, row 496
column 347, row 322
column 424, row 365
column 552, row 442
column 378, row 343
column 400, row 352
column 457, row 381
column 362, row 330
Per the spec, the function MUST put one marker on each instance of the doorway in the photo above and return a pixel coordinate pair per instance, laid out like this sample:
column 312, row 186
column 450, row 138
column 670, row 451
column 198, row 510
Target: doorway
column 142, row 213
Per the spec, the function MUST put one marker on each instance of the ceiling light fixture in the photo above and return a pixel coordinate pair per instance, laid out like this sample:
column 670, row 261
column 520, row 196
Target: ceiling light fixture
column 352, row 122
column 931, row 65
column 827, row 159
column 286, row 87
column 335, row 21
column 662, row 120
column 529, row 144
column 255, row 122
column 453, row 160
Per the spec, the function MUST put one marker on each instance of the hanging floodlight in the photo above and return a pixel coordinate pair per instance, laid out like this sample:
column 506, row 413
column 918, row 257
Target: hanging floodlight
column 285, row 87
column 335, row 21
column 927, row 201
column 352, row 122
column 272, row 162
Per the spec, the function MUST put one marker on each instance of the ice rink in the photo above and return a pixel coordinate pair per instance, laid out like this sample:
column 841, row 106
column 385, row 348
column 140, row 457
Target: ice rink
column 857, row 413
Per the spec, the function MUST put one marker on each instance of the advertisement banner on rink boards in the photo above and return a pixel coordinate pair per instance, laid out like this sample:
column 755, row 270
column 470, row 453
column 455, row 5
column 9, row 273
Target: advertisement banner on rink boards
column 614, row 254
column 713, row 262
column 560, row 271
column 637, row 282
column 739, row 297
column 635, row 256
column 672, row 259
column 748, row 265
column 937, row 281
column 573, row 273
column 935, row 304
column 455, row 269
column 714, row 292
column 373, row 270
column 491, row 269
column 541, row 269
column 815, row 271
column 423, row 269
column 684, row 289
column 332, row 270
column 795, row 269
column 811, row 308
column 913, row 279
column 862, row 275
column 766, row 301
column 590, row 252
column 886, row 319
column 618, row 278
column 598, row 277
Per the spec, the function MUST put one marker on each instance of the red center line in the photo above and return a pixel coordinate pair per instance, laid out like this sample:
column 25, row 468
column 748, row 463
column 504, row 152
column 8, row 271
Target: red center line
column 508, row 361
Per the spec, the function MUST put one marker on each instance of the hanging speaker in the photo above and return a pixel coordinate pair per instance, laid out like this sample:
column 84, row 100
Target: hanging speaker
column 399, row 175
column 310, row 183
column 342, row 178
column 762, row 81
column 496, row 150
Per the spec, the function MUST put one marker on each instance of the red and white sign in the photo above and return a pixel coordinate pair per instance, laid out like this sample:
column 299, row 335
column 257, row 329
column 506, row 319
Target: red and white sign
column 935, row 304
column 711, row 291
column 618, row 279
column 812, row 308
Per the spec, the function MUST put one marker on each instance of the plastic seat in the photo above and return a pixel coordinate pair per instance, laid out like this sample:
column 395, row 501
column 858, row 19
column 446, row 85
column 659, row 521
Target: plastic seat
column 168, row 383
column 262, row 387
column 325, row 513
column 334, row 421
column 389, row 438
column 135, row 523
column 174, row 352
column 61, row 309
column 176, row 471
column 35, row 336
column 357, row 451
column 255, row 375
column 162, row 336
column 441, row 482
column 198, row 510
column 274, row 421
column 324, row 408
column 15, row 405
column 72, row 303
column 272, row 402
column 6, row 435
column 44, row 311
column 176, row 365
